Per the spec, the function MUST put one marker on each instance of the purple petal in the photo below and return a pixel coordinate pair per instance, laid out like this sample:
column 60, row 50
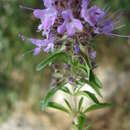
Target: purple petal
column 49, row 47
column 108, row 27
column 78, row 25
column 62, row 28
column 47, row 23
column 71, row 25
column 37, row 51
column 38, row 13
column 36, row 42
column 49, row 44
column 85, row 4
column 48, row 3
column 76, row 49
column 40, row 27
column 67, row 14
column 70, row 29
column 92, row 54
column 93, row 15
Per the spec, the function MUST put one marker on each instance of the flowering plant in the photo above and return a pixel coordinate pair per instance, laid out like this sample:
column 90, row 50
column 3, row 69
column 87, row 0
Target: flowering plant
column 68, row 28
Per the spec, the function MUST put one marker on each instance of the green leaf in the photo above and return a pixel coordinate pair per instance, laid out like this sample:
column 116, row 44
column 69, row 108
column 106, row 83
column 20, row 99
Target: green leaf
column 85, row 56
column 97, row 106
column 85, row 68
column 57, row 106
column 88, row 71
column 88, row 66
column 51, row 92
column 78, row 82
column 95, row 80
column 68, row 104
column 95, row 83
column 80, row 103
column 65, row 89
column 81, row 121
column 51, row 59
column 77, row 66
column 94, row 86
column 88, row 94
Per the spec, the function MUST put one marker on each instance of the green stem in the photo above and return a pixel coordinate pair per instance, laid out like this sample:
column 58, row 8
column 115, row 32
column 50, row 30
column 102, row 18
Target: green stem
column 75, row 111
column 78, row 118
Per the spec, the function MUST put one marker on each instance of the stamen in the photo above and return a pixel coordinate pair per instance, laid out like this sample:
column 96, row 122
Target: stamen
column 27, row 52
column 117, row 35
column 115, row 15
column 118, row 18
column 121, row 26
column 106, row 9
column 117, row 22
column 27, row 8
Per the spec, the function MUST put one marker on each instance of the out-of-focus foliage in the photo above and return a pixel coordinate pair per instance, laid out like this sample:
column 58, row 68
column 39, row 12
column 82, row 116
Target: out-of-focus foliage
column 16, row 71
column 18, row 78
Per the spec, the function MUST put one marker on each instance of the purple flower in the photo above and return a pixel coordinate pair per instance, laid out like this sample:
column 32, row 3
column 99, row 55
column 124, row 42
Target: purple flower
column 66, row 66
column 70, row 24
column 47, row 17
column 99, row 20
column 92, row 15
column 46, row 45
column 71, row 79
column 92, row 54
column 105, row 27
column 76, row 49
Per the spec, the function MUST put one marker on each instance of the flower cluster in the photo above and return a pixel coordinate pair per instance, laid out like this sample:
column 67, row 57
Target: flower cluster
column 73, row 18
column 67, row 28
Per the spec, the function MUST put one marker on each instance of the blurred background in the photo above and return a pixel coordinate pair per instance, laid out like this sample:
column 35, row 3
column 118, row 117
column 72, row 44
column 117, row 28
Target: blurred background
column 22, row 87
